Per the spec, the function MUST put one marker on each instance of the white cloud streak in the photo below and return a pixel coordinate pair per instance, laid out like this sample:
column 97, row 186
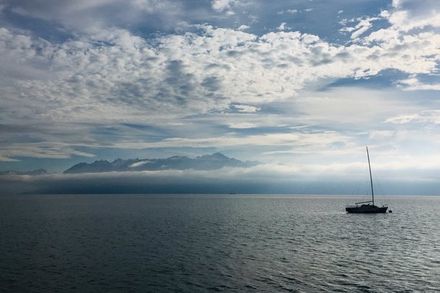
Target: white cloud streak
column 424, row 117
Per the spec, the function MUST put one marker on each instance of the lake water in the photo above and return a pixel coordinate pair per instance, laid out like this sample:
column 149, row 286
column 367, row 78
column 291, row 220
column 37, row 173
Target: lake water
column 144, row 243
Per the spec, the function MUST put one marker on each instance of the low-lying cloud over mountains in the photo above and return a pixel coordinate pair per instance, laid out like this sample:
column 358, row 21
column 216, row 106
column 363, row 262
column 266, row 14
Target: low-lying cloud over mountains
column 259, row 179
column 214, row 174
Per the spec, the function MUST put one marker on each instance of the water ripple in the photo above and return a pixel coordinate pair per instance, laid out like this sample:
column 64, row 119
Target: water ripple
column 197, row 244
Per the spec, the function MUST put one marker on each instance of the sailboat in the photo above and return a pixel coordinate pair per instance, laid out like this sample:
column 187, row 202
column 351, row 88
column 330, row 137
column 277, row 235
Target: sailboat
column 367, row 207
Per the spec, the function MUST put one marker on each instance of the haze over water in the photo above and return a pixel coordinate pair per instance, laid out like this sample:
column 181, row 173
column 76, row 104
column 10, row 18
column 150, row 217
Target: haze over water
column 185, row 243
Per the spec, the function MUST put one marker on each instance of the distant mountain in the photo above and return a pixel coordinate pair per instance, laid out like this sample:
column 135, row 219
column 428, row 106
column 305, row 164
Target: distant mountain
column 31, row 172
column 205, row 162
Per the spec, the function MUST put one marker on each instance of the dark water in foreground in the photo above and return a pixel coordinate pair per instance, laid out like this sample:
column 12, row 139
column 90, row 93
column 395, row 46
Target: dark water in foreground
column 220, row 243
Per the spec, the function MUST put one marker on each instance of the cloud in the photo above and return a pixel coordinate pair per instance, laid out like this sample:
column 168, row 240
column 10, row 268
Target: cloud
column 205, row 85
column 424, row 117
column 243, row 27
column 363, row 26
column 287, row 11
column 116, row 76
column 89, row 16
column 413, row 84
column 312, row 178
column 83, row 75
column 406, row 17
column 40, row 150
column 223, row 5
column 282, row 27
column 246, row 108
column 410, row 14
column 336, row 106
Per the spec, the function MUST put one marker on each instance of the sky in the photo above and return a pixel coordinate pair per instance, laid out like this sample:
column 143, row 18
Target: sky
column 300, row 86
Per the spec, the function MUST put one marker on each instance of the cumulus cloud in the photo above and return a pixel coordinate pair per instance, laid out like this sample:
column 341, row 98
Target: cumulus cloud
column 215, row 63
column 105, row 75
column 409, row 14
column 118, row 76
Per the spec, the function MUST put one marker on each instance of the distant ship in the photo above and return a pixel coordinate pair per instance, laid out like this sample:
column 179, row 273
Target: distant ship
column 367, row 207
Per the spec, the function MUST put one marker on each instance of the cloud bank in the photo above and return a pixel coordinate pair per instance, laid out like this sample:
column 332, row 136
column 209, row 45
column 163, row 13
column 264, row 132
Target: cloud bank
column 265, row 179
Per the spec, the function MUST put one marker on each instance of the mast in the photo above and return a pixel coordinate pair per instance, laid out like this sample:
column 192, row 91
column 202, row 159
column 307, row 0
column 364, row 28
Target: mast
column 371, row 177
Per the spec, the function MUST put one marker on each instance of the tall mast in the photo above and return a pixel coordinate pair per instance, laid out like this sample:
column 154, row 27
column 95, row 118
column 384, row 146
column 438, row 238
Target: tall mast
column 371, row 177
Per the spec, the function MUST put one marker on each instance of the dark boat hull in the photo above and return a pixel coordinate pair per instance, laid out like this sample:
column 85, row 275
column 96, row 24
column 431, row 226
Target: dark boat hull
column 366, row 209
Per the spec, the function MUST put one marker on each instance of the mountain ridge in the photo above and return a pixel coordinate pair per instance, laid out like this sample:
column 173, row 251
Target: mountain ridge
column 203, row 162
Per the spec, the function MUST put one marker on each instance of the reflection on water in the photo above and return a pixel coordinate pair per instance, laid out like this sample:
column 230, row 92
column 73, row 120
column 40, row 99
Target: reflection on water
column 230, row 243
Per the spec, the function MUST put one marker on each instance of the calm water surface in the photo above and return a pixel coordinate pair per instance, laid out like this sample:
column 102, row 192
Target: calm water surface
column 131, row 243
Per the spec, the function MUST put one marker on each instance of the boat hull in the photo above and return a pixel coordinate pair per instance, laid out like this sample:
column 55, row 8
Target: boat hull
column 366, row 209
